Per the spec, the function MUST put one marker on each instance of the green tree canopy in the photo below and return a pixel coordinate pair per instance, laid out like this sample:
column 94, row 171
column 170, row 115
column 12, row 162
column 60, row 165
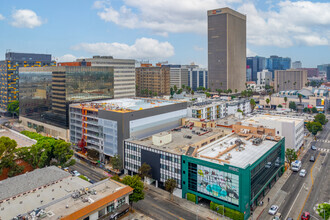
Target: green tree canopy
column 314, row 127
column 280, row 106
column 252, row 104
column 267, row 101
column 137, row 185
column 320, row 118
column 170, row 185
column 145, row 170
column 292, row 105
column 290, row 155
column 323, row 210
column 116, row 162
column 314, row 110
column 13, row 107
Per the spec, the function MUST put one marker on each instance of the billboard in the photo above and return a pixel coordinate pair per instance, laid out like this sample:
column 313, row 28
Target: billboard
column 319, row 102
column 218, row 184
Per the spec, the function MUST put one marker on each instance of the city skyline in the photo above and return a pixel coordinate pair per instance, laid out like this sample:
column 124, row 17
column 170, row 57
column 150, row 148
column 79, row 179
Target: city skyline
column 162, row 31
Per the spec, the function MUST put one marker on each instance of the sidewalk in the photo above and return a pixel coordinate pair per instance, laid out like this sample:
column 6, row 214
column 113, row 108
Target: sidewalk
column 135, row 216
column 202, row 212
column 275, row 194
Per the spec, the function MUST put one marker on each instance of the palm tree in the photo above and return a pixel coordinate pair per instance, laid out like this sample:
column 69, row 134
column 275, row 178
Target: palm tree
column 300, row 97
column 295, row 83
column 236, row 91
column 267, row 101
column 253, row 104
column 183, row 86
column 270, row 95
column 285, row 100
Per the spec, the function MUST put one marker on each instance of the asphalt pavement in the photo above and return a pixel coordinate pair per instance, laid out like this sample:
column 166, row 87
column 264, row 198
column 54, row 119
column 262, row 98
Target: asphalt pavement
column 88, row 170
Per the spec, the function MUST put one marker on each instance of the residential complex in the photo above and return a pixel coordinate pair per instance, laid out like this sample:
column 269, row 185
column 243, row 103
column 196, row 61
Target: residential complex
column 153, row 80
column 9, row 69
column 124, row 73
column 197, row 77
column 104, row 125
column 178, row 76
column 290, row 128
column 226, row 49
column 51, row 193
column 46, row 92
column 290, row 79
column 264, row 78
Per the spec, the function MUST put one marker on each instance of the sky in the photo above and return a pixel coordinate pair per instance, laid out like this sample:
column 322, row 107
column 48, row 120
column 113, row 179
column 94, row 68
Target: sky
column 161, row 30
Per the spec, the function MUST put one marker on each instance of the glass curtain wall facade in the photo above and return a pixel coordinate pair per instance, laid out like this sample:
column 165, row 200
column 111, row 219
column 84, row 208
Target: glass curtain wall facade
column 47, row 92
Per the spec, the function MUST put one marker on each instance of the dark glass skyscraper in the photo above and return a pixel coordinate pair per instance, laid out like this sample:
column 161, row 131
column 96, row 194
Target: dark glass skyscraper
column 256, row 64
column 278, row 63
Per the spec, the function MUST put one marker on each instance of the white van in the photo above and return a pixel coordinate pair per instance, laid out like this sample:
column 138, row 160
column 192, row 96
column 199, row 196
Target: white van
column 296, row 165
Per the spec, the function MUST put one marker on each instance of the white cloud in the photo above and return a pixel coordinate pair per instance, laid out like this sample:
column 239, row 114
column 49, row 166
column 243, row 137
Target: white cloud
column 292, row 23
column 250, row 53
column 1, row 17
column 162, row 16
column 197, row 48
column 66, row 58
column 143, row 48
column 26, row 18
column 283, row 24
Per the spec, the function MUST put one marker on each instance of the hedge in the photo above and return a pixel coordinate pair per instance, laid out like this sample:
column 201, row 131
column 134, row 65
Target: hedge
column 230, row 213
column 191, row 197
column 83, row 177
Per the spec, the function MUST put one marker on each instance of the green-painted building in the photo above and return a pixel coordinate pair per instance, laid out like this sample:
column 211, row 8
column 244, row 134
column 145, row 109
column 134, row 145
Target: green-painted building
column 241, row 182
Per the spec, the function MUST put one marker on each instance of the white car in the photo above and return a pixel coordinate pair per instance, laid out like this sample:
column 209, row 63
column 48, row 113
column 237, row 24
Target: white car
column 273, row 209
column 302, row 172
column 76, row 173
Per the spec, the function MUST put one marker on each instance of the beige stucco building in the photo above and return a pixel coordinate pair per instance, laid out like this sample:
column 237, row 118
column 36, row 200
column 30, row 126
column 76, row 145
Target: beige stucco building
column 291, row 79
column 226, row 49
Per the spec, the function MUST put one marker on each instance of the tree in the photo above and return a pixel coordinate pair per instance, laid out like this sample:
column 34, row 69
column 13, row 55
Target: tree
column 314, row 127
column 7, row 153
column 285, row 100
column 116, row 162
column 155, row 94
column 253, row 104
column 171, row 91
column 145, row 170
column 267, row 101
column 280, row 106
column 320, row 118
column 290, row 155
column 170, row 185
column 13, row 107
column 236, row 91
column 192, row 92
column 306, row 110
column 314, row 110
column 137, row 185
column 292, row 105
column 323, row 210
column 300, row 97
column 229, row 91
column 175, row 88
column 150, row 93
column 219, row 91
column 183, row 86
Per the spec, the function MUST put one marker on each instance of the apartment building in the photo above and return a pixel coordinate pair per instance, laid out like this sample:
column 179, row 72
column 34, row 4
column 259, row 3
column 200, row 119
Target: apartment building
column 153, row 80
column 104, row 125
column 178, row 76
column 235, row 105
column 209, row 110
column 124, row 73
column 264, row 78
column 9, row 72
column 291, row 79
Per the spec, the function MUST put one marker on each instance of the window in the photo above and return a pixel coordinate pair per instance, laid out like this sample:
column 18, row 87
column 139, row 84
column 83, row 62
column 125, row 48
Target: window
column 121, row 202
column 101, row 212
column 111, row 207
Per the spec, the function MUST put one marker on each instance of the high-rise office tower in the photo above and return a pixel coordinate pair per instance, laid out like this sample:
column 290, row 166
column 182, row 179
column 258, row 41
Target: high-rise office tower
column 278, row 63
column 256, row 64
column 226, row 49
column 296, row 65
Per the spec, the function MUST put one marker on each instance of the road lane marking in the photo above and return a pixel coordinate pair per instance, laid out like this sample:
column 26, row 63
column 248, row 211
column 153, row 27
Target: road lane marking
column 294, row 201
column 310, row 190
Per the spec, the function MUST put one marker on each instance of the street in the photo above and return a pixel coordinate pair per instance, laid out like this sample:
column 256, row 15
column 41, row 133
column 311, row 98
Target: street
column 88, row 171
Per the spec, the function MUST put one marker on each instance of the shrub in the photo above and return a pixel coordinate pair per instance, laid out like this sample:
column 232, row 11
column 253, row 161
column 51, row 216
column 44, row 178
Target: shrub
column 230, row 213
column 83, row 177
column 191, row 197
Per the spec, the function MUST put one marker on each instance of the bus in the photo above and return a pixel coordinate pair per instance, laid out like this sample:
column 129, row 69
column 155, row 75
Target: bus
column 296, row 165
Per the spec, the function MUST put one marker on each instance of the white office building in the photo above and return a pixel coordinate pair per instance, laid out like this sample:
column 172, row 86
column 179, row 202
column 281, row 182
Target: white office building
column 291, row 128
column 264, row 78
column 124, row 74
column 178, row 76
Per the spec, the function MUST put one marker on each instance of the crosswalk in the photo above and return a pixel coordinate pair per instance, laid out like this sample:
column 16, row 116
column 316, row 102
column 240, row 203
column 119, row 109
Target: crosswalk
column 323, row 149
column 323, row 141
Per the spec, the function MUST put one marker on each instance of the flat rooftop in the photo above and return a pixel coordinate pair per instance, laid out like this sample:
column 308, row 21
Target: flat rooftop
column 180, row 142
column 126, row 104
column 22, row 140
column 257, row 120
column 248, row 155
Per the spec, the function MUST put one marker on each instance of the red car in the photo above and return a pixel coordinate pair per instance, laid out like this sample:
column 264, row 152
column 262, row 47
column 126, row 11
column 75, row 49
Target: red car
column 305, row 216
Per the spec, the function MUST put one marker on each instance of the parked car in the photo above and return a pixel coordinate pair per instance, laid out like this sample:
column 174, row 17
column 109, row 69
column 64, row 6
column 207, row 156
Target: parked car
column 268, row 165
column 278, row 216
column 312, row 159
column 273, row 209
column 76, row 173
column 66, row 169
column 313, row 147
column 302, row 172
column 305, row 216
column 289, row 218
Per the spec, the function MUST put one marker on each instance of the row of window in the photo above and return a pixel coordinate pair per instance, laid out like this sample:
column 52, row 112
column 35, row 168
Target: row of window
column 170, row 158
column 169, row 168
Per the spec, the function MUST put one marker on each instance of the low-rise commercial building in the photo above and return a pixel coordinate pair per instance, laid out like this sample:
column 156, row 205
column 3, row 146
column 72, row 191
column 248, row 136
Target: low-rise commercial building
column 235, row 171
column 51, row 193
column 104, row 125
column 290, row 128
